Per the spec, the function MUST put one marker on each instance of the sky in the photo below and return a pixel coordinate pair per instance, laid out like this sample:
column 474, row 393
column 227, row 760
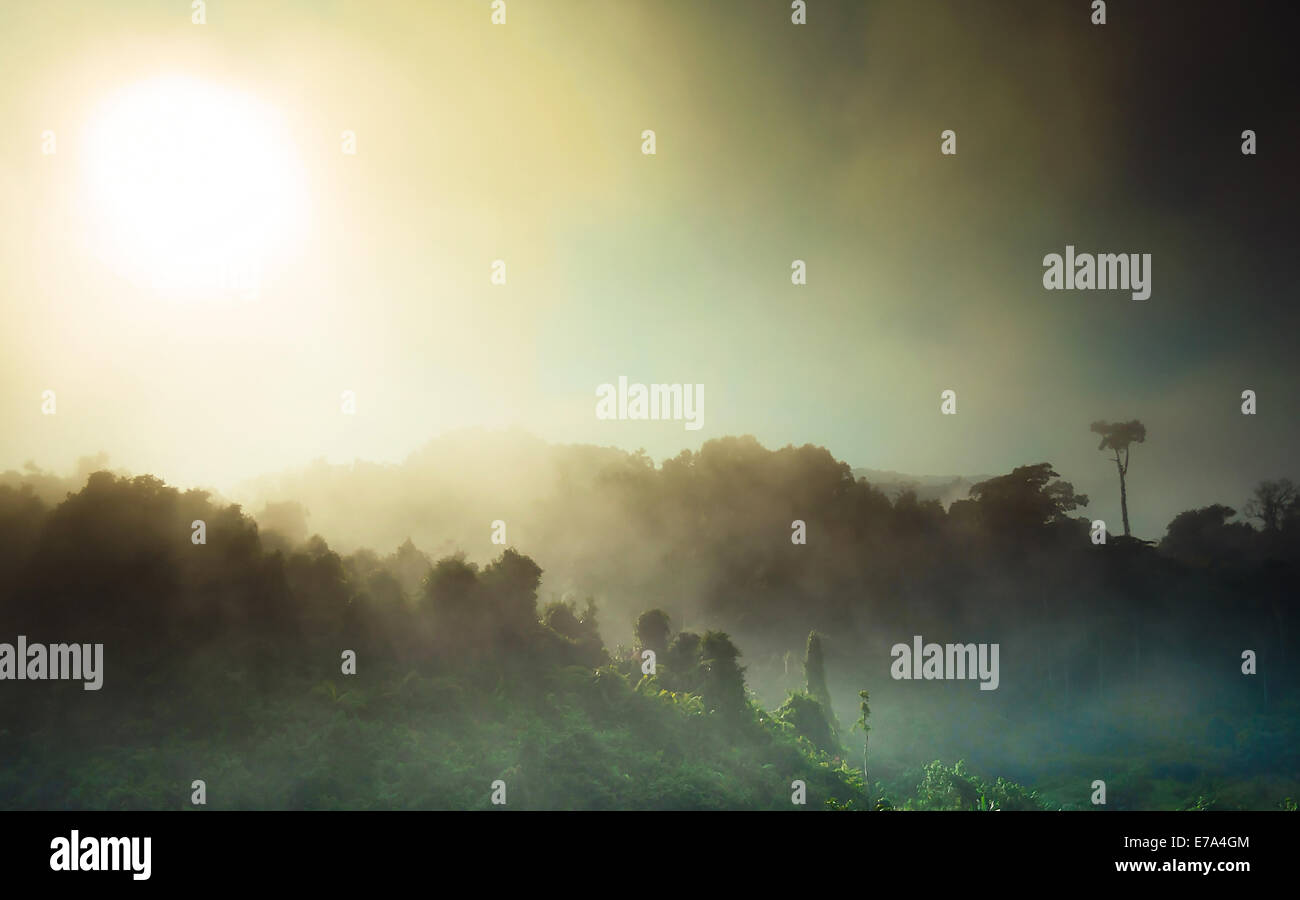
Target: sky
column 186, row 156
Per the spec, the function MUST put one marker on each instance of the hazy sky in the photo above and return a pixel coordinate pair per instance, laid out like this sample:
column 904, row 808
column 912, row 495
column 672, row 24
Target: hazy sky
column 775, row 142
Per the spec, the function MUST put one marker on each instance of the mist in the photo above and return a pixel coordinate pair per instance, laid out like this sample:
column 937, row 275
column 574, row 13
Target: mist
column 1116, row 660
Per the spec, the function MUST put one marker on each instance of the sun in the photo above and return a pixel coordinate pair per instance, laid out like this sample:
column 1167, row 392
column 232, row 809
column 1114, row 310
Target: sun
column 191, row 187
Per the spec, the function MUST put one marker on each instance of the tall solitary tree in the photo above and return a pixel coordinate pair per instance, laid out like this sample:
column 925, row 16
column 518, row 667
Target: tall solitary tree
column 861, row 723
column 1117, row 436
column 814, row 667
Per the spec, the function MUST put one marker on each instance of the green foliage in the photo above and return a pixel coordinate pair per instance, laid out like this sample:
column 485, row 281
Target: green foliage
column 943, row 787
column 807, row 719
column 814, row 667
column 226, row 661
column 723, row 683
column 469, row 683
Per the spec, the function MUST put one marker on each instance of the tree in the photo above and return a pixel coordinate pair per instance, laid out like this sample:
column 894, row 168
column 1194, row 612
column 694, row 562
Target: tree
column 652, row 630
column 512, row 580
column 808, row 718
column 861, row 724
column 1021, row 502
column 1118, row 436
column 724, row 679
column 1273, row 503
column 578, row 637
column 1205, row 537
column 814, row 668
column 683, row 658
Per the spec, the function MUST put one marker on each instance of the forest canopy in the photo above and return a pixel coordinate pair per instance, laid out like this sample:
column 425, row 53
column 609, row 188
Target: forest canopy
column 737, row 651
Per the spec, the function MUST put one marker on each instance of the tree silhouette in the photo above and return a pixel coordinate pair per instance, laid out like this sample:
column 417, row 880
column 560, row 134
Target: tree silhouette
column 1205, row 536
column 1023, row 501
column 1273, row 503
column 652, row 630
column 724, row 680
column 1117, row 436
column 814, row 667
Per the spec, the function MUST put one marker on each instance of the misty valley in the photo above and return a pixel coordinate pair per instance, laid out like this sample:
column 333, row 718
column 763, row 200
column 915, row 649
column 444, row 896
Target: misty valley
column 356, row 455
column 651, row 637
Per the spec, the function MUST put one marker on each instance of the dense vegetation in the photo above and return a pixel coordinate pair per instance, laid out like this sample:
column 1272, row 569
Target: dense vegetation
column 224, row 659
column 224, row 665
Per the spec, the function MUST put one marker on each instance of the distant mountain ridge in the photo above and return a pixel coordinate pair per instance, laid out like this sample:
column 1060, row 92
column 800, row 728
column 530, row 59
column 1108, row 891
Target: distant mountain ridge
column 944, row 488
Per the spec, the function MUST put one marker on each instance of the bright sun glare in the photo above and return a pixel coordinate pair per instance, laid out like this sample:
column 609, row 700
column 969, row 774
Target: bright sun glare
column 191, row 187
